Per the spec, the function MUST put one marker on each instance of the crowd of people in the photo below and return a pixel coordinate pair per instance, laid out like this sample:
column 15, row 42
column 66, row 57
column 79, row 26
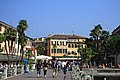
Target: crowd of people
column 56, row 65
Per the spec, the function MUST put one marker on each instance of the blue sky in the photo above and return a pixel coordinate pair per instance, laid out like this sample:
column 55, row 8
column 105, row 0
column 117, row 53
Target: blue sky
column 46, row 17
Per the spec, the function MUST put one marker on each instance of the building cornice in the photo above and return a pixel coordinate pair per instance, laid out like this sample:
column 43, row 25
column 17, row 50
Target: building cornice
column 116, row 31
column 6, row 25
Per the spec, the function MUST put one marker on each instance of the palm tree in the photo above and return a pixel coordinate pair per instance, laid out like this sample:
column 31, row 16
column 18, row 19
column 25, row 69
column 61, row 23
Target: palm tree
column 22, row 38
column 95, row 40
column 95, row 35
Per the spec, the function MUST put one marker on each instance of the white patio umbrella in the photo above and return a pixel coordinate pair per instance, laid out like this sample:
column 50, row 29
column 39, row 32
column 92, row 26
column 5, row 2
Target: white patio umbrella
column 41, row 57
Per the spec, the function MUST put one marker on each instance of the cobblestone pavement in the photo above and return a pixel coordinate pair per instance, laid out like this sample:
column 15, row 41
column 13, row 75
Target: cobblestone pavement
column 33, row 76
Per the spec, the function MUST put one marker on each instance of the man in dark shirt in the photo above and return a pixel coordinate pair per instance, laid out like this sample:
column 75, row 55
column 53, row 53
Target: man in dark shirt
column 38, row 66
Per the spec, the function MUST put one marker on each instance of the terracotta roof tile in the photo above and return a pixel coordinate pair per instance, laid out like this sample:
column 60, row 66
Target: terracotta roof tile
column 62, row 36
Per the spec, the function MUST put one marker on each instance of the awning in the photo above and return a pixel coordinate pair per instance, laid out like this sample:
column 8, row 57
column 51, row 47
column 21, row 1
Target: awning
column 68, row 58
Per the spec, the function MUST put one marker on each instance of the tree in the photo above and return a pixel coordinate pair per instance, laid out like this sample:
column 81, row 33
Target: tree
column 2, row 38
column 87, row 54
column 95, row 35
column 28, row 54
column 22, row 38
column 10, row 35
column 105, row 36
column 98, row 42
column 79, row 50
column 114, row 46
column 41, row 48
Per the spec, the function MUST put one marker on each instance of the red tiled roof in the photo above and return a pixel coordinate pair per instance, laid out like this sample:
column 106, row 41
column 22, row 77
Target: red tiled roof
column 62, row 36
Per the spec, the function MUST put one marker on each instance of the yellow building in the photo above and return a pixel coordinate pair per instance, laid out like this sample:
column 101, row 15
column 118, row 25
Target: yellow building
column 64, row 45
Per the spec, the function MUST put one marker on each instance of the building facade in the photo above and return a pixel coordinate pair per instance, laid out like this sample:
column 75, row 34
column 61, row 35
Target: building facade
column 64, row 45
column 3, row 26
column 116, row 31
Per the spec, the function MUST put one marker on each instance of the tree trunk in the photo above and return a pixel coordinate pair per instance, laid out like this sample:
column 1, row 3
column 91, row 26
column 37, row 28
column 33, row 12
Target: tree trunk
column 22, row 53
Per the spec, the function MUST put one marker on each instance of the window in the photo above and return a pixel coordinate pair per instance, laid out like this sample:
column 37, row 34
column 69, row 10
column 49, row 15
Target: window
column 53, row 50
column 64, row 43
column 64, row 50
column 74, row 40
column 60, row 42
column 59, row 50
column 69, row 45
column 57, row 43
column 72, row 45
column 76, row 45
column 53, row 42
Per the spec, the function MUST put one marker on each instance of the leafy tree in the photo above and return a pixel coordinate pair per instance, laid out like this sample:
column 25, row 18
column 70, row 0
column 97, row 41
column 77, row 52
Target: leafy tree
column 2, row 38
column 28, row 54
column 86, row 55
column 10, row 35
column 114, row 46
column 98, row 42
column 79, row 50
column 41, row 48
column 105, row 36
column 22, row 38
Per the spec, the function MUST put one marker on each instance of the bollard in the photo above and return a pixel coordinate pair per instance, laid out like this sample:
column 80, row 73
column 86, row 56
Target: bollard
column 5, row 72
column 22, row 69
column 15, row 70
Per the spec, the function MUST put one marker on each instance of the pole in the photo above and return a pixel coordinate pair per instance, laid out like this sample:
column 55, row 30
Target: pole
column 92, row 74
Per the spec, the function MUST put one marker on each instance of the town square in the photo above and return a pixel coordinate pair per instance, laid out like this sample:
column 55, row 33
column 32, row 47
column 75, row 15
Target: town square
column 60, row 40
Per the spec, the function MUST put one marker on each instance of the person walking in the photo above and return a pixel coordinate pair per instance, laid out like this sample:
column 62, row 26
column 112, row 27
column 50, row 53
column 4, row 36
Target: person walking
column 38, row 66
column 64, row 71
column 45, row 67
column 55, row 68
column 59, row 65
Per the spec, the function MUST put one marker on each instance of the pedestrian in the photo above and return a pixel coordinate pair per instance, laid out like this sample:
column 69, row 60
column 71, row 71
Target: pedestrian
column 55, row 68
column 64, row 70
column 45, row 67
column 39, row 66
column 59, row 65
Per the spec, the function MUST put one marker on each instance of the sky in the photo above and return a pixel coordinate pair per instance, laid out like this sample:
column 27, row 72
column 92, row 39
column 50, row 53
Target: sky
column 46, row 17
